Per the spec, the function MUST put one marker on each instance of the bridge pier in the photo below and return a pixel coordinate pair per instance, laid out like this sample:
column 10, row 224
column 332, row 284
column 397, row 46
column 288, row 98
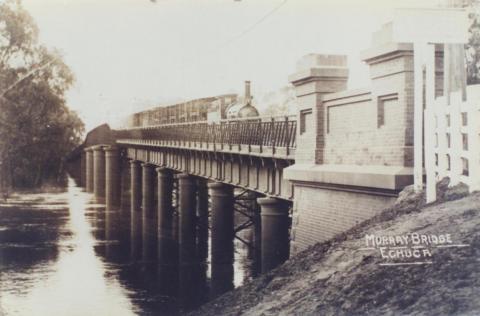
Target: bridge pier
column 135, row 186
column 99, row 171
column 202, row 216
column 222, row 237
column 166, row 238
column 275, row 226
column 83, row 173
column 202, row 236
column 255, row 252
column 112, row 193
column 187, row 209
column 125, row 187
column 113, row 180
column 149, row 216
column 135, row 208
column 89, row 169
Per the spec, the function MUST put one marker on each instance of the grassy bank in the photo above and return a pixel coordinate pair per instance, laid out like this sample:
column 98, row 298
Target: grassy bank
column 338, row 277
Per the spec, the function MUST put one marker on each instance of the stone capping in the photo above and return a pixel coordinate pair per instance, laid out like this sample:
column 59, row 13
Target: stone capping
column 273, row 207
column 370, row 55
column 147, row 165
column 363, row 94
column 164, row 173
column 220, row 189
column 321, row 72
column 378, row 177
column 111, row 148
column 98, row 147
column 184, row 176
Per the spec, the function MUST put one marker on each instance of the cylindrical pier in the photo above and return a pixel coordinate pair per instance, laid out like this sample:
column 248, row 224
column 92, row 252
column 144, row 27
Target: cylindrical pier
column 187, row 224
column 202, row 216
column 112, row 193
column 135, row 186
column 112, row 189
column 222, row 200
column 99, row 171
column 83, row 173
column 135, row 208
column 89, row 169
column 275, row 239
column 149, row 216
column 125, row 187
column 166, row 239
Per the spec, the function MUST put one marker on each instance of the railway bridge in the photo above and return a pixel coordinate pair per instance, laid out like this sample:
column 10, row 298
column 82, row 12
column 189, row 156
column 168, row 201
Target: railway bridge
column 191, row 161
column 340, row 160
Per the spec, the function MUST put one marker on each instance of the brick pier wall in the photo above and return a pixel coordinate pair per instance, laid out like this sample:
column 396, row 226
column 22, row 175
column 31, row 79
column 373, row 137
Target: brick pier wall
column 355, row 152
column 326, row 213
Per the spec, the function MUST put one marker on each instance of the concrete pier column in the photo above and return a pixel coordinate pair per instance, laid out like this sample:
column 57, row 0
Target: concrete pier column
column 135, row 209
column 275, row 239
column 135, row 186
column 149, row 216
column 112, row 193
column 166, row 239
column 89, row 169
column 222, row 200
column 113, row 178
column 202, row 217
column 187, row 223
column 255, row 252
column 99, row 171
column 83, row 173
column 125, row 187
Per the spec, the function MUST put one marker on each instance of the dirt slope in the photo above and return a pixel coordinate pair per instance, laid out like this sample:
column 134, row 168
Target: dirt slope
column 341, row 278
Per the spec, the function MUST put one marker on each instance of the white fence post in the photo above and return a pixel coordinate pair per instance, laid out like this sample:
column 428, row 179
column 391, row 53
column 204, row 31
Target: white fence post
column 455, row 137
column 473, row 127
column 429, row 118
column 440, row 111
column 441, row 120
column 418, row 117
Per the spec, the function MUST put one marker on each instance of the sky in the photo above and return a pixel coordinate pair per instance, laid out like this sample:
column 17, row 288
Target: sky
column 128, row 55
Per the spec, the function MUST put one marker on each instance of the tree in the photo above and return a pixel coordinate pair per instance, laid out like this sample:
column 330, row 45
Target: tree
column 36, row 127
column 472, row 48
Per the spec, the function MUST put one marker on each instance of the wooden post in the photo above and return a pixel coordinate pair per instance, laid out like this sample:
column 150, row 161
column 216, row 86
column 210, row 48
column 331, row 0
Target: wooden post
column 430, row 124
column 474, row 143
column 455, row 138
column 418, row 118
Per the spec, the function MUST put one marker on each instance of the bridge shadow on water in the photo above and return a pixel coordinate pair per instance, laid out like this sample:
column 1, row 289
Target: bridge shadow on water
column 164, row 276
column 63, row 254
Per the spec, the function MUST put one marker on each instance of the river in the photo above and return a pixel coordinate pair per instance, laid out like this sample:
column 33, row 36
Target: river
column 55, row 260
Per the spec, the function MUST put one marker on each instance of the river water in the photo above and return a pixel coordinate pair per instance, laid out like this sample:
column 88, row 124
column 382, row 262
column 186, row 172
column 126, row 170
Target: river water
column 55, row 261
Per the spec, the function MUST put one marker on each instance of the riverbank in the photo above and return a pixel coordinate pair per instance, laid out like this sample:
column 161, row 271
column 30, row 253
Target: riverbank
column 342, row 277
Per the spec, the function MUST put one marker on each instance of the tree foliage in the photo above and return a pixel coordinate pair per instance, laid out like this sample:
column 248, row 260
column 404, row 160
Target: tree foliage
column 36, row 127
column 472, row 48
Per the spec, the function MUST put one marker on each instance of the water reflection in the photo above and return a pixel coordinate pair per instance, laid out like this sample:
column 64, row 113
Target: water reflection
column 64, row 277
column 63, row 254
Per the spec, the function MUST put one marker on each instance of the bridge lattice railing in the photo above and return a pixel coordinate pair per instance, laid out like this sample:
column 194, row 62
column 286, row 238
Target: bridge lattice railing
column 274, row 132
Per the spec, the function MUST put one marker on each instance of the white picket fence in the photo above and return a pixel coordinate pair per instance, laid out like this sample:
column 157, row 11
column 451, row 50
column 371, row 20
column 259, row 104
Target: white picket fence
column 452, row 141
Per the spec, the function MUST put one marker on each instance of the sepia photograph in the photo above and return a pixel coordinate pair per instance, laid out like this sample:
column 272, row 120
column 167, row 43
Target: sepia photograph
column 239, row 157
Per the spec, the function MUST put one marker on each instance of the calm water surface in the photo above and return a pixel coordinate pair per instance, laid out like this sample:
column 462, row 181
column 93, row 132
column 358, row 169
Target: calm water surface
column 55, row 261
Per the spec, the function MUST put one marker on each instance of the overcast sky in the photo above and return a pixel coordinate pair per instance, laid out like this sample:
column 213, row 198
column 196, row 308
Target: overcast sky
column 127, row 54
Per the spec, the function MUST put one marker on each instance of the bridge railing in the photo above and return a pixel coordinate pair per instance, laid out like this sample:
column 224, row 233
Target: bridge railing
column 275, row 132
